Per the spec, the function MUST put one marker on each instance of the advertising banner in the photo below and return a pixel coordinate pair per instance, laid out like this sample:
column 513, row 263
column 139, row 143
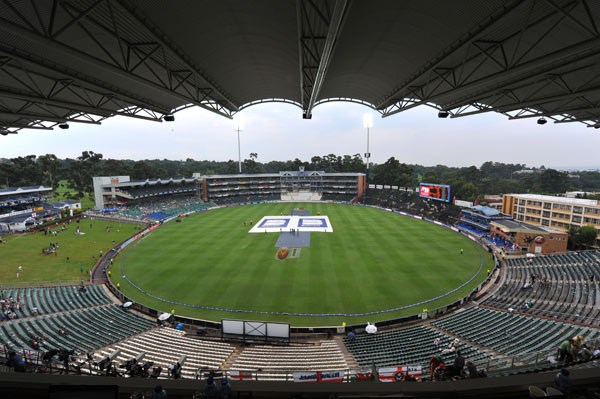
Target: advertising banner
column 319, row 376
column 399, row 373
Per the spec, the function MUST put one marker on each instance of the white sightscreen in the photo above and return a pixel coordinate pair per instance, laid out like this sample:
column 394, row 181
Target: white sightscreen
column 232, row 326
column 256, row 328
column 278, row 330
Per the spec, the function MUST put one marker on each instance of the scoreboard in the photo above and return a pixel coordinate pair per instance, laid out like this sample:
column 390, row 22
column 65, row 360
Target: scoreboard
column 438, row 192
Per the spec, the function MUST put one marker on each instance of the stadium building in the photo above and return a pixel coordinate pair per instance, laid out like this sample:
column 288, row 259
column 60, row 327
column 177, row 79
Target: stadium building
column 476, row 219
column 556, row 212
column 528, row 238
column 118, row 191
column 24, row 207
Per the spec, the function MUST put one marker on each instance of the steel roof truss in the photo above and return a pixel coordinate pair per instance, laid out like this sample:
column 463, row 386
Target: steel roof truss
column 507, row 73
column 72, row 79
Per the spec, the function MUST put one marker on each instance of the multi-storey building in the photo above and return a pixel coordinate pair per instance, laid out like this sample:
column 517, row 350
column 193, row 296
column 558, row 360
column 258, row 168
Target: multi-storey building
column 556, row 212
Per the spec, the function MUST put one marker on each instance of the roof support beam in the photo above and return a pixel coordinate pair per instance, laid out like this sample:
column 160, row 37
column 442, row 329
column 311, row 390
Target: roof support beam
column 311, row 80
column 71, row 106
column 556, row 112
column 85, row 83
column 540, row 65
column 24, row 125
column 167, row 44
column 13, row 28
column 460, row 45
column 38, row 117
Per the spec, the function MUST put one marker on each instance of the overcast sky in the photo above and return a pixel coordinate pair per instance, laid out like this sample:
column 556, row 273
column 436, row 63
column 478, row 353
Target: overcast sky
column 276, row 131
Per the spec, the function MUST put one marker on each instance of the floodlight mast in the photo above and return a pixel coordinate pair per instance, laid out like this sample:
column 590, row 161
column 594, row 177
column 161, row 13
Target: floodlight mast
column 368, row 124
column 238, row 129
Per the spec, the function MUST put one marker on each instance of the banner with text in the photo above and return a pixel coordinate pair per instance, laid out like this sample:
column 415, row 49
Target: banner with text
column 319, row 376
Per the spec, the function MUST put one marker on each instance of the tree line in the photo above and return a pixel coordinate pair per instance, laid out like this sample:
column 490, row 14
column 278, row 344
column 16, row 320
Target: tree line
column 470, row 183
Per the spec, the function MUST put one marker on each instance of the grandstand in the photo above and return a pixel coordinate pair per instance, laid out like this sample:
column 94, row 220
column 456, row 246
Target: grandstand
column 408, row 201
column 476, row 220
column 24, row 207
column 156, row 200
column 559, row 287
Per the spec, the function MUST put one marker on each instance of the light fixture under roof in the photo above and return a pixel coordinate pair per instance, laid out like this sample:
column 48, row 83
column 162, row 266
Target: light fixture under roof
column 542, row 121
column 169, row 118
column 63, row 125
column 443, row 114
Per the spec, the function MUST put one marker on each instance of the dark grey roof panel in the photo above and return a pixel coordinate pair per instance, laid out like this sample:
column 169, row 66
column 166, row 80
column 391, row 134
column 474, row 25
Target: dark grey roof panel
column 87, row 60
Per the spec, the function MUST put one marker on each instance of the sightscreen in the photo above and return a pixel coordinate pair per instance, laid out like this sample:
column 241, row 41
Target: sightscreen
column 256, row 329
column 438, row 192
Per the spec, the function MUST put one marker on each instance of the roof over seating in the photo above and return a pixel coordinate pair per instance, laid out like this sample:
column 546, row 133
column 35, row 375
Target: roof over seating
column 486, row 210
column 83, row 61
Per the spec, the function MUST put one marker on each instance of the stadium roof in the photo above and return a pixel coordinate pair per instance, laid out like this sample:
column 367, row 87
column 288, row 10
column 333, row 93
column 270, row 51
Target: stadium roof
column 550, row 198
column 486, row 210
column 66, row 61
column 23, row 190
column 510, row 226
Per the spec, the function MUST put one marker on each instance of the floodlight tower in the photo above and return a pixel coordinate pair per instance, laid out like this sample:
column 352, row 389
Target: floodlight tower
column 238, row 129
column 368, row 124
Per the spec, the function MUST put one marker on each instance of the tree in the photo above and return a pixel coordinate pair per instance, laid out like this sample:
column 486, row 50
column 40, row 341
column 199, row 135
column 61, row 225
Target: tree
column 394, row 173
column 143, row 170
column 50, row 166
column 582, row 237
column 553, row 181
column 587, row 236
column 83, row 169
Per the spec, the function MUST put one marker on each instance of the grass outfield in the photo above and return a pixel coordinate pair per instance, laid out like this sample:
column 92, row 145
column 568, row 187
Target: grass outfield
column 82, row 250
column 373, row 260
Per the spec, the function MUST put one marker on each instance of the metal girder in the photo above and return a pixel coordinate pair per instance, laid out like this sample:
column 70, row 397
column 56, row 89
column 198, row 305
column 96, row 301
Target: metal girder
column 177, row 86
column 534, row 113
column 586, row 121
column 271, row 100
column 74, row 108
column 80, row 82
column 318, row 30
column 37, row 125
column 168, row 45
column 399, row 92
column 347, row 99
column 14, row 65
column 545, row 64
column 39, row 117
column 509, row 68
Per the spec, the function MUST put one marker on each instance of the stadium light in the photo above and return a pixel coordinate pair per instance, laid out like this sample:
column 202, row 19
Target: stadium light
column 238, row 128
column 368, row 124
column 169, row 118
column 63, row 125
column 443, row 114
column 542, row 121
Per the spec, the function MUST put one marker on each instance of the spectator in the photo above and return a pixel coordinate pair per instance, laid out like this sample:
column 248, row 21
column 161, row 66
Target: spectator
column 434, row 363
column 473, row 373
column 16, row 361
column 458, row 365
column 562, row 381
column 210, row 390
column 159, row 393
column 226, row 392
